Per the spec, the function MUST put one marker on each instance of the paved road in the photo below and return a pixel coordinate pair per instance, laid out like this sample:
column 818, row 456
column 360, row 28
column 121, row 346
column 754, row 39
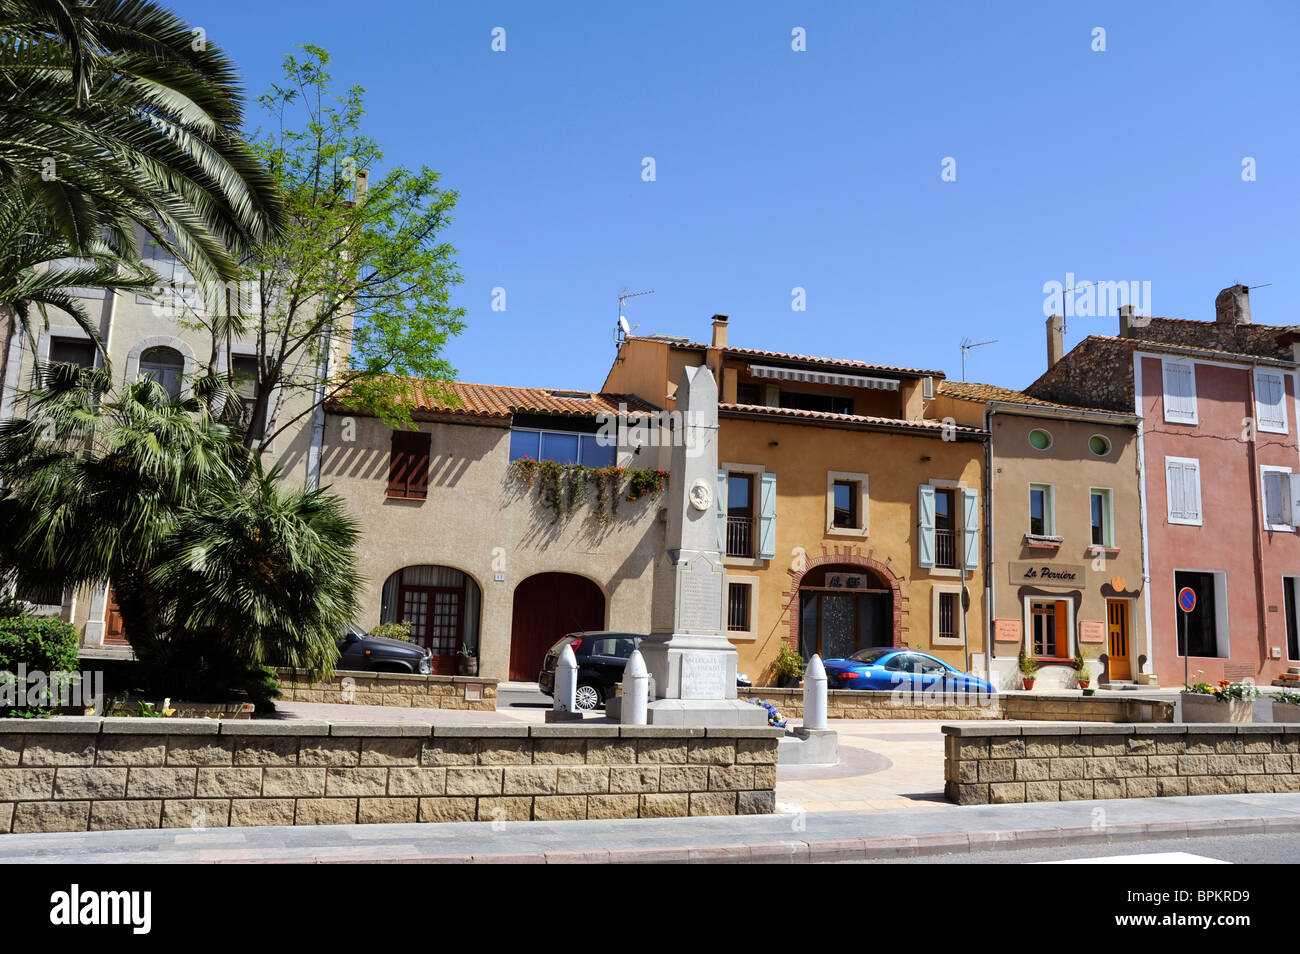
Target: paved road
column 978, row 832
column 1270, row 848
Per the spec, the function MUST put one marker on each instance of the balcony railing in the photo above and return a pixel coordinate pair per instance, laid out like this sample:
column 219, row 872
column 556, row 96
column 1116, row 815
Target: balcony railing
column 945, row 548
column 740, row 537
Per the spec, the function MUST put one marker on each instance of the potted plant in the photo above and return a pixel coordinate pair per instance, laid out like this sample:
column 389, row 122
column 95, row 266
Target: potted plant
column 1082, row 675
column 466, row 661
column 1286, row 706
column 787, row 667
column 1028, row 666
column 1226, row 702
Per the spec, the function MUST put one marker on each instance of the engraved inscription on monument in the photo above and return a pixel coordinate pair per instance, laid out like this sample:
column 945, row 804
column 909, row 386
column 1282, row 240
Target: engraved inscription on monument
column 699, row 588
column 704, row 676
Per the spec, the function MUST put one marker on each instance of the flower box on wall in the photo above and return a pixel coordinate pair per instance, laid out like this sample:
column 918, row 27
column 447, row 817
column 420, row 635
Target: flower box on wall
column 1204, row 708
column 1285, row 712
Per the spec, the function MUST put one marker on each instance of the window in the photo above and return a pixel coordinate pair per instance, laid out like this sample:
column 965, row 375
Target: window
column 164, row 365
column 563, row 447
column 846, row 503
column 408, row 465
column 1049, row 628
column 927, row 388
column 1042, row 522
column 828, row 403
column 948, row 616
column 243, row 374
column 1270, row 401
column 1102, row 524
column 1183, row 490
column 945, row 529
column 747, row 394
column 78, row 351
column 740, row 515
column 619, row 647
column 1199, row 629
column 1278, row 498
column 1180, row 391
column 739, row 607
column 1099, row 445
column 1039, row 439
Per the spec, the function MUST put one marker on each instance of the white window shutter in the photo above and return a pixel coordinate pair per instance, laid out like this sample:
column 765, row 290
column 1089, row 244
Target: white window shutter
column 767, row 517
column 925, row 527
column 1292, row 488
column 1276, row 502
column 970, row 528
column 1270, row 400
column 1180, row 393
column 1183, row 488
column 720, row 501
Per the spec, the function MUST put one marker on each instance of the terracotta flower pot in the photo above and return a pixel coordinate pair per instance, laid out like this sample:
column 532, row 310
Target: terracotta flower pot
column 1083, row 683
column 1028, row 681
column 1201, row 708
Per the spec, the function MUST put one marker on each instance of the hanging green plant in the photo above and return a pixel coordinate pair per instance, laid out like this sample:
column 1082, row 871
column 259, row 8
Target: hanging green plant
column 561, row 488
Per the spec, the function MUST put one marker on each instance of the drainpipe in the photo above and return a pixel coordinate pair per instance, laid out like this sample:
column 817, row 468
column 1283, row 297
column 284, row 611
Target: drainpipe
column 988, row 545
column 1259, row 504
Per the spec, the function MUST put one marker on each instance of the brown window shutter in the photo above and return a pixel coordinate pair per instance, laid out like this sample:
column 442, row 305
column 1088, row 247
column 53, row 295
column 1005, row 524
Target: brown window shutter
column 408, row 465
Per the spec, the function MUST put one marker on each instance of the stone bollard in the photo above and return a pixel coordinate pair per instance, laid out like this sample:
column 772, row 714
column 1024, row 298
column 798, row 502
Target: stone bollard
column 636, row 691
column 814, row 694
column 566, row 680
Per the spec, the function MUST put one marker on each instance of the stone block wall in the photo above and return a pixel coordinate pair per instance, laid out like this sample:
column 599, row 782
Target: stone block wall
column 78, row 774
column 991, row 764
column 869, row 704
column 392, row 689
column 1072, row 707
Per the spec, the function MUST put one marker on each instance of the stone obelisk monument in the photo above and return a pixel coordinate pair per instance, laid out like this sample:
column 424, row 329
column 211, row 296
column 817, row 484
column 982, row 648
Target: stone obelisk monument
column 692, row 664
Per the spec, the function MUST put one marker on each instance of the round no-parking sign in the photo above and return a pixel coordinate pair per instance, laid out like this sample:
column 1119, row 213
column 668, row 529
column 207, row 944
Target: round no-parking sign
column 1186, row 599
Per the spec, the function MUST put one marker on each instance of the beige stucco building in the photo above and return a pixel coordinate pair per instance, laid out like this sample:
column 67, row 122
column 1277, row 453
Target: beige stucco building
column 455, row 542
column 1066, row 535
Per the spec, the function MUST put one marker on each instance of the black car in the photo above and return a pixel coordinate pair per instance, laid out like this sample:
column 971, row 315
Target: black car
column 602, row 656
column 361, row 652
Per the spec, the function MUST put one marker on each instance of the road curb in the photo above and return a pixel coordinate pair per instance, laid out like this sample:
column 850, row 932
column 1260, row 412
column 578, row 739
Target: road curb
column 832, row 850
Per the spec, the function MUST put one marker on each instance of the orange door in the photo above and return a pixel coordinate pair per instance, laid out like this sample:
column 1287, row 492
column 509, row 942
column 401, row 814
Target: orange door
column 114, row 631
column 1117, row 618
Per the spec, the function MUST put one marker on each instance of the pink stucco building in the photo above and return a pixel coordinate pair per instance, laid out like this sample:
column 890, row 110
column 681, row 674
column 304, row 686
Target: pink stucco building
column 1219, row 475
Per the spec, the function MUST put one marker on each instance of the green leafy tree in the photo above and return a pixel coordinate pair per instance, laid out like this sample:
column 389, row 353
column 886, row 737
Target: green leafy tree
column 354, row 295
column 218, row 570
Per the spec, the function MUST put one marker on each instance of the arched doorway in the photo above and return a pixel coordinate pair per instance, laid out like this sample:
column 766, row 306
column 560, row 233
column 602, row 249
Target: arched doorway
column 844, row 608
column 441, row 604
column 546, row 607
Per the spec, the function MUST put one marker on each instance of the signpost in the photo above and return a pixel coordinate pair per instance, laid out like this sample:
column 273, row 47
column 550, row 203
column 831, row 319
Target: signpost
column 1186, row 603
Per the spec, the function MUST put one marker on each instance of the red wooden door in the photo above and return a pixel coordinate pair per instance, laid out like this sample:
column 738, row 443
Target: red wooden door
column 437, row 618
column 114, row 631
column 548, row 606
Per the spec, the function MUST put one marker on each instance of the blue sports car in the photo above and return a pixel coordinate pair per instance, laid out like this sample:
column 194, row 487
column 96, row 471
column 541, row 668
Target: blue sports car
column 887, row 668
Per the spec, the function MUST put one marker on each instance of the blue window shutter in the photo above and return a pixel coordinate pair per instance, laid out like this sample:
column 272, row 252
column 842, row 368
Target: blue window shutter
column 925, row 527
column 970, row 528
column 720, row 501
column 767, row 518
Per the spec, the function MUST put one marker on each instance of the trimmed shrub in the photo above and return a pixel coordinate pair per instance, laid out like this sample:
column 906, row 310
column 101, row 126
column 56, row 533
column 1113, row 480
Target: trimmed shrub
column 40, row 644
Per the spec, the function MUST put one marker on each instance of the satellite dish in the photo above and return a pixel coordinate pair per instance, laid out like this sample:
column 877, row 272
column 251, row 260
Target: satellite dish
column 622, row 325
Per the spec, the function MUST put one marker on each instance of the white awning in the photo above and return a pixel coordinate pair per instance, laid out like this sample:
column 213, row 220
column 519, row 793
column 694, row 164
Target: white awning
column 822, row 377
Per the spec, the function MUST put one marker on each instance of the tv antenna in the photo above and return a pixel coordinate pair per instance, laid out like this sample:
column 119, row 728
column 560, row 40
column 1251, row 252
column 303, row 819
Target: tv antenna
column 623, row 329
column 968, row 345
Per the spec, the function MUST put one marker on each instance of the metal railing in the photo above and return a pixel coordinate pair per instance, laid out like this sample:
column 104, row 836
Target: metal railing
column 945, row 548
column 740, row 536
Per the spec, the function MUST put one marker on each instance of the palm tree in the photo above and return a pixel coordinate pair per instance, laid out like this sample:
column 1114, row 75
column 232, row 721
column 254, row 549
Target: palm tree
column 39, row 268
column 118, row 110
column 217, row 570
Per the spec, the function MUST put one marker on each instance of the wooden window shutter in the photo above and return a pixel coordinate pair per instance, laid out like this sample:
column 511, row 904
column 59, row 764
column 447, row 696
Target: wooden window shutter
column 408, row 465
column 925, row 526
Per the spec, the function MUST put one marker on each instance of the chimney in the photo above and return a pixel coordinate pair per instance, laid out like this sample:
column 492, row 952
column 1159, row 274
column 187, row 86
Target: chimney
column 1129, row 322
column 1232, row 306
column 719, row 331
column 1055, row 340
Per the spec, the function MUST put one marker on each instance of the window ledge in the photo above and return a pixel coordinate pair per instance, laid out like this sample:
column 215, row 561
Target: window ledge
column 1038, row 541
column 743, row 561
column 859, row 533
column 393, row 496
column 1109, row 551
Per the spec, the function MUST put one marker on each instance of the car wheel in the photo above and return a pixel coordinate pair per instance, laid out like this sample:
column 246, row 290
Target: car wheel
column 586, row 697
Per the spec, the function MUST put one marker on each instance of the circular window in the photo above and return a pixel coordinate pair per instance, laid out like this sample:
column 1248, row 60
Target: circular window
column 1099, row 445
column 1039, row 439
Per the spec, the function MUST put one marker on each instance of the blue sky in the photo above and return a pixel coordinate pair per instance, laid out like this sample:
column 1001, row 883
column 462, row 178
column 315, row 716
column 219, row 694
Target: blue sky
column 821, row 169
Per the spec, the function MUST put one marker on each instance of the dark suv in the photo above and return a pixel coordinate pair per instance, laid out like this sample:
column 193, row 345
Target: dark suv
column 602, row 656
column 361, row 652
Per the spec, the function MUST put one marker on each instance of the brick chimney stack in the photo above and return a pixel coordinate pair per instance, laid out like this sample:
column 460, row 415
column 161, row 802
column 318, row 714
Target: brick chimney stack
column 719, row 331
column 1129, row 322
column 1055, row 340
column 1232, row 306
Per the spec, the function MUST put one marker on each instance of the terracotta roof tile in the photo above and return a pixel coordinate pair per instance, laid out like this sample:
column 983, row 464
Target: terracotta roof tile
column 974, row 391
column 893, row 422
column 846, row 363
column 500, row 402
